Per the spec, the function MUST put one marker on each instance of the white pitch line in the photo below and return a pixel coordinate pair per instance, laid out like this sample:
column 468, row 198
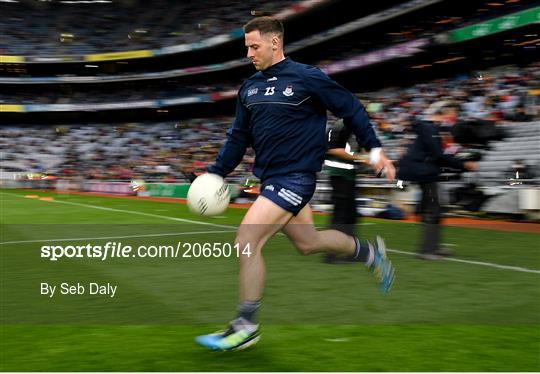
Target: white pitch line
column 480, row 263
column 118, row 237
column 488, row 264
column 130, row 212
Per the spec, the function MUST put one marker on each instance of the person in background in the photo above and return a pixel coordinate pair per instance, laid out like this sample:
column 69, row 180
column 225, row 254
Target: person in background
column 422, row 164
column 340, row 165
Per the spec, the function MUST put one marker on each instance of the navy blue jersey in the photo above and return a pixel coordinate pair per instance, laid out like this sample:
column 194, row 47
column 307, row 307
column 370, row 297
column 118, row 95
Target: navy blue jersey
column 281, row 113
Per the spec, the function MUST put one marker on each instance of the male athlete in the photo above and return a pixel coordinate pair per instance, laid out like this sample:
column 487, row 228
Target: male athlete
column 281, row 113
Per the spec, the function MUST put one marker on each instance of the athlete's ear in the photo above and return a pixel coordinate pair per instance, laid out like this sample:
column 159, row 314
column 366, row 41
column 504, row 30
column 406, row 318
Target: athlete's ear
column 275, row 43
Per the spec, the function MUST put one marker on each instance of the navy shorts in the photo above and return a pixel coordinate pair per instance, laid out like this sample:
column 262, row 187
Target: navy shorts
column 291, row 192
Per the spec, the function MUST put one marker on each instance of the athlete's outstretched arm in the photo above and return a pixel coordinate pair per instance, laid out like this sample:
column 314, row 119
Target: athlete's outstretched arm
column 344, row 104
column 238, row 139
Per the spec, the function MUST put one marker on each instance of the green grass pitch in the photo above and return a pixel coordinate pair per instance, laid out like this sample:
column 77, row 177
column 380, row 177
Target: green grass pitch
column 480, row 313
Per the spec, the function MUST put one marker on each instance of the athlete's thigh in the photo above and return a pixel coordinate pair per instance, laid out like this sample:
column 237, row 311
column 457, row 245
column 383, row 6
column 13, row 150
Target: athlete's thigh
column 300, row 228
column 263, row 219
column 264, row 211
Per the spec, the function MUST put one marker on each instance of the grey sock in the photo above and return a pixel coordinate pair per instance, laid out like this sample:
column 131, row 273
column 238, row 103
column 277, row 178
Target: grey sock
column 247, row 309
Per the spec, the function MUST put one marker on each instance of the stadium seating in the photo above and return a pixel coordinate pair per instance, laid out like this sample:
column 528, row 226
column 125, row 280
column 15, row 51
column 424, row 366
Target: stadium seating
column 523, row 143
column 58, row 29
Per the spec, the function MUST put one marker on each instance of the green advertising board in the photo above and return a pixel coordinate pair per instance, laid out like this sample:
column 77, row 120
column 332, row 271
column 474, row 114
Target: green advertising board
column 167, row 190
column 496, row 25
column 177, row 190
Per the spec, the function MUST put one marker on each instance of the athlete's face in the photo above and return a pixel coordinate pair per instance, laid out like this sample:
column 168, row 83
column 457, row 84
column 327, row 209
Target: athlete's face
column 261, row 49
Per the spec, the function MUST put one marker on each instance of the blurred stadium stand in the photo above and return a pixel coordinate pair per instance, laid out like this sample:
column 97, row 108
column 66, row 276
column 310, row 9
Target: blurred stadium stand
column 49, row 28
column 93, row 106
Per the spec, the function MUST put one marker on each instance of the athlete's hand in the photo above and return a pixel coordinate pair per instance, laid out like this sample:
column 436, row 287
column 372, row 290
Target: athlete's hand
column 385, row 166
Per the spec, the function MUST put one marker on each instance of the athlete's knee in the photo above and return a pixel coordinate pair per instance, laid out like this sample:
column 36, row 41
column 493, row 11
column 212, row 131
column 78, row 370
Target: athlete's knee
column 247, row 245
column 246, row 235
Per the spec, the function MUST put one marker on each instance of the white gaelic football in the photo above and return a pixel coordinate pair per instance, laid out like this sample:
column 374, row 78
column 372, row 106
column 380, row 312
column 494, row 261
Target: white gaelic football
column 208, row 195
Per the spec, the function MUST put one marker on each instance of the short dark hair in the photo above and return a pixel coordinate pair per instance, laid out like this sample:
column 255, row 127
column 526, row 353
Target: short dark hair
column 265, row 25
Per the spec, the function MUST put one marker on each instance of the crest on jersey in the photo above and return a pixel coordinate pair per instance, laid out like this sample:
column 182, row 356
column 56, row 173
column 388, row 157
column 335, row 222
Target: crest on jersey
column 252, row 91
column 288, row 91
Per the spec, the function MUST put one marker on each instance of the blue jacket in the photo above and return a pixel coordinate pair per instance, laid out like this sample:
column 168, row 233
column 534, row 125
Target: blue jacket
column 281, row 113
column 425, row 156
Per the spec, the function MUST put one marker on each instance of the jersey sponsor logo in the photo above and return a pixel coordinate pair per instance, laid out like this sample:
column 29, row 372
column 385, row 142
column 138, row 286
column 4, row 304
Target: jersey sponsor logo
column 288, row 91
column 271, row 79
column 252, row 91
column 269, row 91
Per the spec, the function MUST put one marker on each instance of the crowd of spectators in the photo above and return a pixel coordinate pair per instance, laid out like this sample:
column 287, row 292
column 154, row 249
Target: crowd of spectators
column 165, row 151
column 48, row 28
column 119, row 92
column 54, row 28
column 502, row 93
column 506, row 93
column 170, row 150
